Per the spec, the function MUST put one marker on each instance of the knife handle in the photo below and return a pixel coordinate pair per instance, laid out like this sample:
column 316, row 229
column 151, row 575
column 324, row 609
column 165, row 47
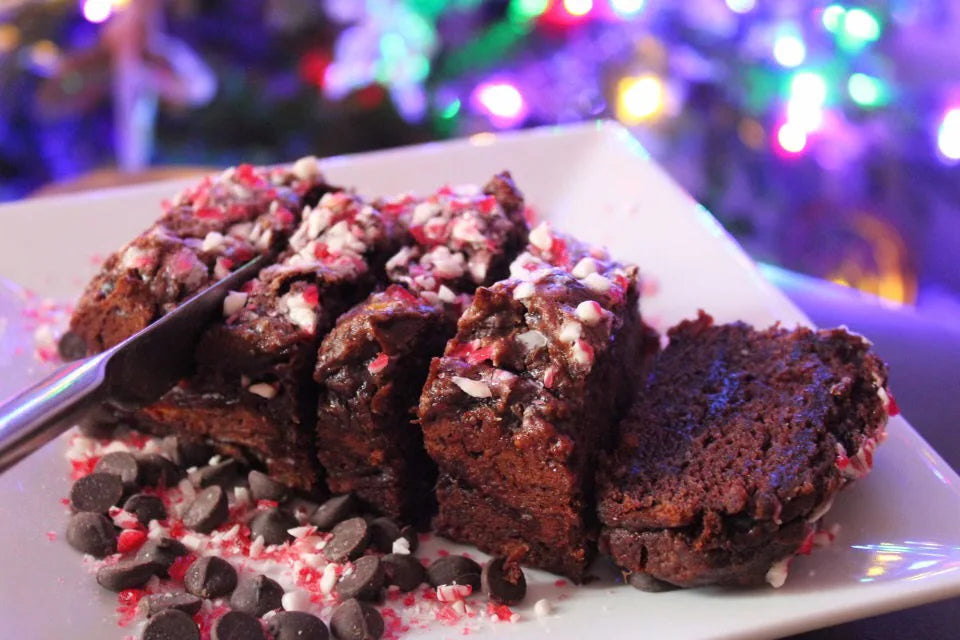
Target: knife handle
column 48, row 408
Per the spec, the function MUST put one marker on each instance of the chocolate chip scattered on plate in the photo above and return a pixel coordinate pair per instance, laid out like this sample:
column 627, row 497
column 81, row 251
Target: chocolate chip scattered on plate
column 155, row 603
column 92, row 533
column 263, row 487
column 163, row 552
column 126, row 574
column 297, row 625
column 272, row 525
column 158, row 471
column 207, row 511
column 236, row 625
column 225, row 474
column 189, row 453
column 454, row 570
column 383, row 532
column 72, row 346
column 349, row 540
column 171, row 625
column 256, row 596
column 404, row 571
column 503, row 581
column 210, row 577
column 333, row 511
column 355, row 620
column 122, row 464
column 145, row 507
column 365, row 582
column 96, row 492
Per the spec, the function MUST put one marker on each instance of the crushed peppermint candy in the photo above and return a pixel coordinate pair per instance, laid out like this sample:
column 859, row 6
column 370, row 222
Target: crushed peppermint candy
column 233, row 302
column 540, row 237
column 264, row 390
column 590, row 312
column 542, row 608
column 473, row 388
column 453, row 592
column 597, row 283
column 524, row 290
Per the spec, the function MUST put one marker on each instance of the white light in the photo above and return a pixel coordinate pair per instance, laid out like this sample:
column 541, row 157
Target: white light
column 809, row 88
column 948, row 137
column 789, row 50
column 97, row 11
column 741, row 6
column 805, row 115
column 627, row 7
column 578, row 7
column 792, row 138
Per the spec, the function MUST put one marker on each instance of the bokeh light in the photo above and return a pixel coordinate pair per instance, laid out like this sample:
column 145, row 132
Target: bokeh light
column 791, row 138
column 789, row 50
column 97, row 11
column 502, row 101
column 867, row 91
column 833, row 17
column 948, row 135
column 578, row 7
column 639, row 98
column 741, row 6
column 627, row 8
column 862, row 25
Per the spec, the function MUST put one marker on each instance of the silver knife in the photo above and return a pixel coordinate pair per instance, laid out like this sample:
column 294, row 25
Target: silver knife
column 133, row 373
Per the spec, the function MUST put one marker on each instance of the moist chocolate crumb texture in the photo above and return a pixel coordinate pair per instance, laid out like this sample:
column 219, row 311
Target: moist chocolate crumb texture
column 371, row 367
column 205, row 232
column 735, row 449
column 525, row 398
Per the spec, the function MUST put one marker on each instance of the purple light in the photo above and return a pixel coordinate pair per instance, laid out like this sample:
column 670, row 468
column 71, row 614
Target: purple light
column 502, row 101
column 97, row 11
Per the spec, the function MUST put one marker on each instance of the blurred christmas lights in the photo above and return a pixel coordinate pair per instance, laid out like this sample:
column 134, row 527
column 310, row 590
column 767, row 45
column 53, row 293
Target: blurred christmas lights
column 741, row 6
column 948, row 135
column 639, row 98
column 833, row 17
column 578, row 8
column 867, row 91
column 791, row 138
column 627, row 8
column 789, row 49
column 97, row 11
column 502, row 101
column 860, row 24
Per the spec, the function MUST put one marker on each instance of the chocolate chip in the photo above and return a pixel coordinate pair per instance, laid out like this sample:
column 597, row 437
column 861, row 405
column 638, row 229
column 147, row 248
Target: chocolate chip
column 297, row 625
column 96, row 492
column 404, row 571
column 210, row 577
column 158, row 471
column 257, row 596
column 163, row 552
column 263, row 487
column 349, row 540
column 503, row 581
column 97, row 429
column 122, row 464
column 454, row 570
column 127, row 574
column 156, row 603
column 355, row 620
column 365, row 582
column 646, row 582
column 189, row 453
column 207, row 511
column 72, row 346
column 92, row 533
column 171, row 625
column 412, row 537
column 333, row 511
column 235, row 625
column 300, row 508
column 272, row 526
column 225, row 474
column 145, row 507
column 383, row 531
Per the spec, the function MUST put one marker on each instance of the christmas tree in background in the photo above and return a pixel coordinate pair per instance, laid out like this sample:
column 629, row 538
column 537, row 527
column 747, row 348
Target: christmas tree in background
column 824, row 136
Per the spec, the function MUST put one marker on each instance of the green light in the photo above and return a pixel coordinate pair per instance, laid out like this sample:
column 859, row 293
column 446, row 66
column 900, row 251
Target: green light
column 833, row 16
column 523, row 10
column 866, row 91
column 451, row 110
column 392, row 47
column 859, row 24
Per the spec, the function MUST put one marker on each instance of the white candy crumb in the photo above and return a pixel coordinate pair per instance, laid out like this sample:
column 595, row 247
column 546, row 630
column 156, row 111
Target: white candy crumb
column 596, row 282
column 256, row 547
column 329, row 579
column 234, row 302
column 446, row 294
column 523, row 291
column 453, row 592
column 532, row 340
column 777, row 575
column 542, row 608
column 295, row 601
column 590, row 312
column 585, row 267
column 191, row 541
column 473, row 388
column 570, row 332
column 541, row 238
column 263, row 390
column 241, row 496
column 212, row 241
column 401, row 546
column 306, row 168
column 301, row 313
column 302, row 532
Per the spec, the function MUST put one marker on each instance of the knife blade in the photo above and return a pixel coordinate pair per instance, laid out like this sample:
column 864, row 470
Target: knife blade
column 129, row 375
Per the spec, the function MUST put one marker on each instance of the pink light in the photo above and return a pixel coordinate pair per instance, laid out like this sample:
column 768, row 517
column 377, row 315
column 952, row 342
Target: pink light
column 502, row 101
column 97, row 11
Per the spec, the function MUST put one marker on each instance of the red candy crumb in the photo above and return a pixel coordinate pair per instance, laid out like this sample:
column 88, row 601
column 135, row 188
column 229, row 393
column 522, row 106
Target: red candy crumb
column 501, row 611
column 180, row 566
column 379, row 363
column 83, row 468
column 52, row 536
column 892, row 407
column 311, row 295
column 127, row 601
column 130, row 540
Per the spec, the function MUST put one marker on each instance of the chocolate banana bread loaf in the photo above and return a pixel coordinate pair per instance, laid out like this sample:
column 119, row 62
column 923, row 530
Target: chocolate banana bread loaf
column 735, row 448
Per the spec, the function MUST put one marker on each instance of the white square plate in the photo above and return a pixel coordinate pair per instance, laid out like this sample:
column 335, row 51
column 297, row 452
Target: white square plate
column 899, row 544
